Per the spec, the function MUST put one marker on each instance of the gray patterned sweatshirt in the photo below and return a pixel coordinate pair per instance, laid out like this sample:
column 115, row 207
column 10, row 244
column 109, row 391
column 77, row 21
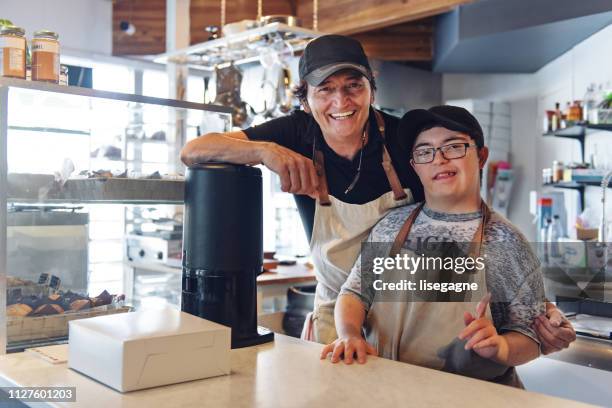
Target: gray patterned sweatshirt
column 512, row 269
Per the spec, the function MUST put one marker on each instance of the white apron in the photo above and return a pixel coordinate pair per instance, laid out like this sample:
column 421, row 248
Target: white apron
column 338, row 230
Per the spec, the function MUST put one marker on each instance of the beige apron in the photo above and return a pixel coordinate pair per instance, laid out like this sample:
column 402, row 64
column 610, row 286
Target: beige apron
column 337, row 233
column 425, row 333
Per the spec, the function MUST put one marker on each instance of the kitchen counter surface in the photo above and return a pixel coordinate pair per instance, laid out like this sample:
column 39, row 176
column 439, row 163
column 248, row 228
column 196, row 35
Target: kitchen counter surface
column 286, row 373
column 298, row 273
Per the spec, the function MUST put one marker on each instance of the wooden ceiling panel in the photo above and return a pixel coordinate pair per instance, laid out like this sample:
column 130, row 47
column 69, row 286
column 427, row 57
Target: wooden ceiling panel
column 208, row 12
column 393, row 30
column 412, row 41
column 149, row 18
column 358, row 16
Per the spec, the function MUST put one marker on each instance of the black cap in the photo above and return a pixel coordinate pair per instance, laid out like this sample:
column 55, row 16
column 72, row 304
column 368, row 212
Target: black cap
column 329, row 54
column 447, row 116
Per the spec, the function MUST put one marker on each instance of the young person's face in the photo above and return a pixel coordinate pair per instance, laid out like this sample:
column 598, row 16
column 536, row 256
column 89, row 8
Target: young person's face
column 449, row 179
column 340, row 104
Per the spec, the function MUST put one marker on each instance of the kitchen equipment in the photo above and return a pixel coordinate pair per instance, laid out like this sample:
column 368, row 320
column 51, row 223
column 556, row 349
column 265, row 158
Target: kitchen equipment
column 300, row 302
column 291, row 21
column 228, row 81
column 155, row 247
column 223, row 248
column 238, row 27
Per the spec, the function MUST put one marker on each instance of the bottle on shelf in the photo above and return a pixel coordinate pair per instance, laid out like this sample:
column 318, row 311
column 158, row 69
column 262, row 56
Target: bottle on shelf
column 565, row 115
column 557, row 171
column 556, row 118
column 589, row 103
column 553, row 233
column 575, row 113
column 544, row 250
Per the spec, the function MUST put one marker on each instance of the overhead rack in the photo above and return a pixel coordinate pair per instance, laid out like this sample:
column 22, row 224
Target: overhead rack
column 240, row 48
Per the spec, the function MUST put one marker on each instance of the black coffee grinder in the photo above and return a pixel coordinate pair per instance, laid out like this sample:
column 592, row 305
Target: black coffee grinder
column 223, row 248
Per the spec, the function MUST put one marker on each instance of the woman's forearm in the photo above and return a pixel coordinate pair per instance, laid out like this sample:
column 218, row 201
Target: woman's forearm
column 233, row 147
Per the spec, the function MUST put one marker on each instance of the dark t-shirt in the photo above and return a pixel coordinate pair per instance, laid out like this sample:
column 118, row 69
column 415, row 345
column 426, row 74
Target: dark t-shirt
column 297, row 132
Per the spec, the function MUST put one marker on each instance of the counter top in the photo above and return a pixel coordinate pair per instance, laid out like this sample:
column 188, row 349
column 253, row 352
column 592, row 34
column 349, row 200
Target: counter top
column 285, row 373
column 298, row 273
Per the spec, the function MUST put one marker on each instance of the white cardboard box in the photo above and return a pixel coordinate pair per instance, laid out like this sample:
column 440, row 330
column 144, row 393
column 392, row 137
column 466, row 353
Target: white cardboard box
column 144, row 349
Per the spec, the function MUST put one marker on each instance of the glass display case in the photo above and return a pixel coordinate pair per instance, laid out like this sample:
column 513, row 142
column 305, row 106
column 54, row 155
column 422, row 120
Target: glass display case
column 90, row 185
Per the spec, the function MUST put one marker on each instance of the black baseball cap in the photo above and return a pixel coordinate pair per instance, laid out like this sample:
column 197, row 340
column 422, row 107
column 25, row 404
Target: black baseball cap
column 447, row 116
column 328, row 54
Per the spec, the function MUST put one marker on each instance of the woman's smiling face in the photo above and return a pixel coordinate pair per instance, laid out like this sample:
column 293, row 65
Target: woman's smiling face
column 341, row 104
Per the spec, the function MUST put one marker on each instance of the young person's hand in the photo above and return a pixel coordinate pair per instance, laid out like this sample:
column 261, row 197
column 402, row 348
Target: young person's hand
column 346, row 348
column 481, row 333
column 483, row 338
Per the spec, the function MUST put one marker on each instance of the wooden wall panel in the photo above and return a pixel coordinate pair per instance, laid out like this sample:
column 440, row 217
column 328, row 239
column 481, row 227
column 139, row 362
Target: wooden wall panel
column 149, row 18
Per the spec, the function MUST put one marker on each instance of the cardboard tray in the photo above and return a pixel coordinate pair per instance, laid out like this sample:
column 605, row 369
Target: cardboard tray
column 52, row 326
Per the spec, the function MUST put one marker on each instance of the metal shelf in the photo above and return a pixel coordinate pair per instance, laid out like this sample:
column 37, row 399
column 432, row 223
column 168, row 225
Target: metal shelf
column 579, row 132
column 93, row 93
column 43, row 188
column 50, row 130
column 575, row 185
column 240, row 48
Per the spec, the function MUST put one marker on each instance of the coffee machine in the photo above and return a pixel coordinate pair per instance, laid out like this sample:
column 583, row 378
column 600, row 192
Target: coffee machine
column 223, row 248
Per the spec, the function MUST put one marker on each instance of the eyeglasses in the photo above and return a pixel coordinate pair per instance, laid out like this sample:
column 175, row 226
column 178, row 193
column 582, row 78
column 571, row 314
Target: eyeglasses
column 449, row 152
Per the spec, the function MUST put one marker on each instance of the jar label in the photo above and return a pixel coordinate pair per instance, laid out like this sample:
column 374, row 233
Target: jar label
column 12, row 57
column 12, row 42
column 46, row 46
column 16, row 59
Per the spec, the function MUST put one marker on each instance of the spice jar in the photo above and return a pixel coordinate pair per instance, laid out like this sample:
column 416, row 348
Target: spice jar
column 45, row 56
column 13, row 55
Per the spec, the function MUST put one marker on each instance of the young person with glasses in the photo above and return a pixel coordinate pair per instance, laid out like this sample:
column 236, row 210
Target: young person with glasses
column 483, row 334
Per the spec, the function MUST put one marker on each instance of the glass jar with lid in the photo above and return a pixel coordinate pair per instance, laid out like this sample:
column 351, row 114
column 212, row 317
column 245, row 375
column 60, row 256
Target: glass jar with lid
column 13, row 52
column 45, row 56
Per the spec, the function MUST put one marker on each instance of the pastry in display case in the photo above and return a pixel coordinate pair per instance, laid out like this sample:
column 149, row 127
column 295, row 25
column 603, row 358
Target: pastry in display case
column 69, row 207
column 40, row 311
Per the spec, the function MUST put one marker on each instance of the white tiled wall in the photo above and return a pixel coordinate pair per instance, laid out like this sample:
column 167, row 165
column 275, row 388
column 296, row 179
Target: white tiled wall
column 563, row 79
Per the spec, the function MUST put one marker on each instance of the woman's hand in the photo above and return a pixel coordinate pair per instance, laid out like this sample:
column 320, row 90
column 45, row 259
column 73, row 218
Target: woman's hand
column 297, row 173
column 346, row 348
column 554, row 330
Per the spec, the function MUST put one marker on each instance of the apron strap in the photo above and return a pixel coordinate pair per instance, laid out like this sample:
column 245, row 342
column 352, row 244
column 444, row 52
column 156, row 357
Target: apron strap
column 479, row 235
column 392, row 178
column 405, row 230
column 319, row 163
column 477, row 240
column 394, row 181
